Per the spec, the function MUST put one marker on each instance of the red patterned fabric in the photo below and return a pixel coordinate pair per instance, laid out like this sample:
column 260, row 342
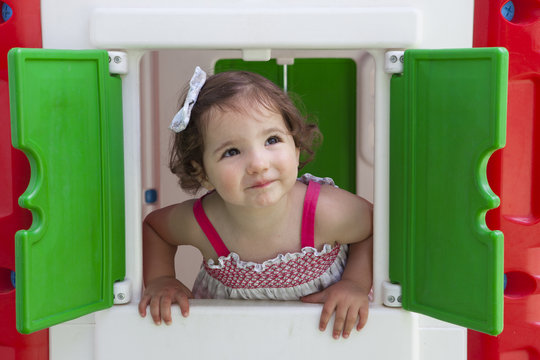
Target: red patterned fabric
column 294, row 272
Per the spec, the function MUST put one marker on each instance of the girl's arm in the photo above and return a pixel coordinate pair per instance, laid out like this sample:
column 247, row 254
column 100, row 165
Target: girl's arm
column 162, row 289
column 350, row 217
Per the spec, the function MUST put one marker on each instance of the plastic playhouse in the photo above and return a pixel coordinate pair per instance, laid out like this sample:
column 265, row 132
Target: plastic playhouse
column 427, row 110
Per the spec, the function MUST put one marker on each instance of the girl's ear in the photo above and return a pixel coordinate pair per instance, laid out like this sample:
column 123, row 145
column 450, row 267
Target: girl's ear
column 201, row 176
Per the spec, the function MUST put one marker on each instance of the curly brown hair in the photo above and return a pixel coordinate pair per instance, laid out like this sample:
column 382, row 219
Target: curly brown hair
column 230, row 91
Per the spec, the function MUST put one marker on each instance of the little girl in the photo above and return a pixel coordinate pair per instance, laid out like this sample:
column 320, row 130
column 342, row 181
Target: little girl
column 263, row 233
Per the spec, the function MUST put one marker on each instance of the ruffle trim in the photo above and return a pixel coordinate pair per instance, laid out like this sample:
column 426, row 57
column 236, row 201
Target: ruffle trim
column 260, row 267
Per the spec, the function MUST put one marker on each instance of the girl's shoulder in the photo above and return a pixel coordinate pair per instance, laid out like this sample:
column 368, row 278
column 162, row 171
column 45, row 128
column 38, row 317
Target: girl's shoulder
column 176, row 224
column 342, row 216
column 337, row 204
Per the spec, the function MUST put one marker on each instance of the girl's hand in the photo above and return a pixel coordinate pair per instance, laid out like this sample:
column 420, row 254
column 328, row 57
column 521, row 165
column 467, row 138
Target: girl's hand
column 161, row 293
column 350, row 303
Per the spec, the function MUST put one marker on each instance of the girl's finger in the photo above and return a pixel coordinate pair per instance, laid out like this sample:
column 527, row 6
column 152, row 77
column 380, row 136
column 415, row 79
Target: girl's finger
column 327, row 311
column 154, row 310
column 339, row 321
column 183, row 302
column 352, row 318
column 363, row 314
column 165, row 308
column 143, row 304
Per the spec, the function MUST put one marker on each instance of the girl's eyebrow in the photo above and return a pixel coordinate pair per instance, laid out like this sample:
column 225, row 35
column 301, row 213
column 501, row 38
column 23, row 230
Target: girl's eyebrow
column 284, row 132
column 274, row 130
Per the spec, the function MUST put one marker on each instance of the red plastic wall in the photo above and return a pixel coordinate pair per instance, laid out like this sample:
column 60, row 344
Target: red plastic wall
column 514, row 173
column 23, row 29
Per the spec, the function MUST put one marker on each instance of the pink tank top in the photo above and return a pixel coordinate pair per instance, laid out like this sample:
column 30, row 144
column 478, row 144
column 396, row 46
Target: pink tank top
column 286, row 277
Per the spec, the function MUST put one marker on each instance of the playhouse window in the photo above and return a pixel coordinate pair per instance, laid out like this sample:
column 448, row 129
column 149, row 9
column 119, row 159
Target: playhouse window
column 335, row 87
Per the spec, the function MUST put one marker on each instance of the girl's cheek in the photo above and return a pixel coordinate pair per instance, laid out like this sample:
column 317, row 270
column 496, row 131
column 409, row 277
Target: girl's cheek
column 229, row 174
column 291, row 157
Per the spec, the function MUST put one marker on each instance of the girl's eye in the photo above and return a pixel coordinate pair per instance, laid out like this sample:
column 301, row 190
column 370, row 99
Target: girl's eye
column 231, row 152
column 273, row 140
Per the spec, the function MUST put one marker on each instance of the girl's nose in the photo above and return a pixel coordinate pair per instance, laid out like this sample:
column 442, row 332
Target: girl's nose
column 258, row 162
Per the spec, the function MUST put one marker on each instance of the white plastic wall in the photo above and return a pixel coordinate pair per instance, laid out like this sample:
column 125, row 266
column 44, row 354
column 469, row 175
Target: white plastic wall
column 172, row 37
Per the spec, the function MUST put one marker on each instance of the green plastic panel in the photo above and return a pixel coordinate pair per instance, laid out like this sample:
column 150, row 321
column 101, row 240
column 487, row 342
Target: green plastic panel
column 66, row 115
column 327, row 90
column 448, row 115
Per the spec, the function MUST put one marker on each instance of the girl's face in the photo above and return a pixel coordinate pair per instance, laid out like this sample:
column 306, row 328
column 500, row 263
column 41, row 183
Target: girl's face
column 250, row 157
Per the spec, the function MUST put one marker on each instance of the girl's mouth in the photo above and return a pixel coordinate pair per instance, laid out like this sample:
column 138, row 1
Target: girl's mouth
column 262, row 184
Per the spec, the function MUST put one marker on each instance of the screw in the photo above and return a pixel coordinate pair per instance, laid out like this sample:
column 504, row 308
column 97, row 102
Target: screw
column 121, row 296
column 401, row 59
column 391, row 299
column 117, row 59
column 399, row 299
column 393, row 58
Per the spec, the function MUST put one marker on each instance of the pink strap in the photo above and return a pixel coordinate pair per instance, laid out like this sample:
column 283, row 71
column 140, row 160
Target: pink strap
column 208, row 229
column 308, row 215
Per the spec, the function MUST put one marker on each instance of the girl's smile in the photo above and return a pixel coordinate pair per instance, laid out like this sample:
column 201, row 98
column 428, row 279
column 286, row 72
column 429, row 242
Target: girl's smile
column 261, row 184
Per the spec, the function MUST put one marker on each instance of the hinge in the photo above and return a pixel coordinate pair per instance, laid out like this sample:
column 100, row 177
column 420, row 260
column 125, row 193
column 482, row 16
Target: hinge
column 118, row 62
column 122, row 292
column 393, row 62
column 391, row 294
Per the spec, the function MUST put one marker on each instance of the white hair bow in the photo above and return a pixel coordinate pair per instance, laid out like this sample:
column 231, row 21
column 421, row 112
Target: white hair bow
column 181, row 119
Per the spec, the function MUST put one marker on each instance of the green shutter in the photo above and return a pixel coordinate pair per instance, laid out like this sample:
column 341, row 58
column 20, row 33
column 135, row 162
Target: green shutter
column 448, row 114
column 67, row 118
column 327, row 90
